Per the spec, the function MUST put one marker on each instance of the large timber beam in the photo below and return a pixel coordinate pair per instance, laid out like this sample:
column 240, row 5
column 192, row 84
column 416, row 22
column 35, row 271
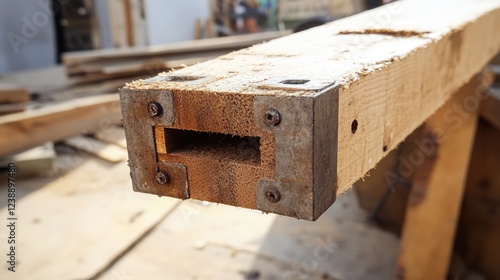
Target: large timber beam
column 286, row 126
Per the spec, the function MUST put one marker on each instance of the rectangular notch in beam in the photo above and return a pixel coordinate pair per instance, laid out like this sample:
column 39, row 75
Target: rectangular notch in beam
column 216, row 146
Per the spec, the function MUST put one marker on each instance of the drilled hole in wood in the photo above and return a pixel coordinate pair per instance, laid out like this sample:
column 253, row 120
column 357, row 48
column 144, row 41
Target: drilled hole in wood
column 216, row 146
column 354, row 126
column 294, row 82
column 384, row 148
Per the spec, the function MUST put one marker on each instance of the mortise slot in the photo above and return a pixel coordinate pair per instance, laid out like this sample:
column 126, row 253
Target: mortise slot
column 294, row 82
column 216, row 146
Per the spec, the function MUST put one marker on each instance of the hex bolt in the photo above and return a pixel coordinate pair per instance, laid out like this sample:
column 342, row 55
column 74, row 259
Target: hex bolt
column 162, row 178
column 272, row 117
column 273, row 195
column 155, row 110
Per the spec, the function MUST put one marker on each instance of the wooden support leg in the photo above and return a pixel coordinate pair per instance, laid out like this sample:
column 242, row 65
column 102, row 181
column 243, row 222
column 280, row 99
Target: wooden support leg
column 439, row 178
column 478, row 239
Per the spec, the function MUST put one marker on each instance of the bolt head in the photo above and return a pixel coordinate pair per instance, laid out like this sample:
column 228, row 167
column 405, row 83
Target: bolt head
column 155, row 110
column 162, row 178
column 272, row 117
column 273, row 195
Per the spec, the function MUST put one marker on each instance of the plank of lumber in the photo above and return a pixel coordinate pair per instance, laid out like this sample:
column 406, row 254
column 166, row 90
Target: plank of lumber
column 437, row 189
column 86, row 206
column 105, row 71
column 13, row 94
column 224, row 43
column 344, row 100
column 51, row 83
column 105, row 151
column 24, row 130
column 12, row 108
column 132, row 64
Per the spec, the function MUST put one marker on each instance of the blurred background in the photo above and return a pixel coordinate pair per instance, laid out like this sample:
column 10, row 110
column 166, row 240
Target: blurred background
column 61, row 64
column 56, row 27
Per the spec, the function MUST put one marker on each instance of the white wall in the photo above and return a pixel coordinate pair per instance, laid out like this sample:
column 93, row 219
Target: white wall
column 27, row 36
column 171, row 21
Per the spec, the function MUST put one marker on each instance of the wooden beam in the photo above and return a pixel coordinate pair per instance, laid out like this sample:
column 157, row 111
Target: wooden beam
column 437, row 189
column 355, row 87
column 28, row 129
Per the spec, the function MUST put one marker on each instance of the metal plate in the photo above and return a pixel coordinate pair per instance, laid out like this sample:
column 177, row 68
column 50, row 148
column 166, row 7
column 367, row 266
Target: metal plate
column 139, row 126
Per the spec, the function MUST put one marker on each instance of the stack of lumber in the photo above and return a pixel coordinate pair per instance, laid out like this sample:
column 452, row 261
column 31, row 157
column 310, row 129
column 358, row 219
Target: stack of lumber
column 27, row 129
column 12, row 98
column 59, row 109
column 90, row 66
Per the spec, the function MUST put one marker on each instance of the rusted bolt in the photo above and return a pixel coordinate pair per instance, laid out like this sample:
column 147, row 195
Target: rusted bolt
column 273, row 195
column 162, row 178
column 272, row 117
column 155, row 110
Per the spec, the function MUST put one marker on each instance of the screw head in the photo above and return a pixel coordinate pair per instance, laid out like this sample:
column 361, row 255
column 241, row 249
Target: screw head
column 272, row 117
column 273, row 195
column 155, row 110
column 162, row 178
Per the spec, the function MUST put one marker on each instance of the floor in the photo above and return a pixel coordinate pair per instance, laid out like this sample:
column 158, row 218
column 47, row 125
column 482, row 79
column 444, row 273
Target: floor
column 85, row 222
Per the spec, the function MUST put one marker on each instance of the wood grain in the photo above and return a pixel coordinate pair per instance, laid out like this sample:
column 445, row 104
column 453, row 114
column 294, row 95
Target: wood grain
column 436, row 192
column 24, row 130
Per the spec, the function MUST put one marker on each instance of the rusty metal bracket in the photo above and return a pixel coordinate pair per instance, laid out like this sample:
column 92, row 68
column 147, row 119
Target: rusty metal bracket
column 305, row 183
column 140, row 118
column 275, row 153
